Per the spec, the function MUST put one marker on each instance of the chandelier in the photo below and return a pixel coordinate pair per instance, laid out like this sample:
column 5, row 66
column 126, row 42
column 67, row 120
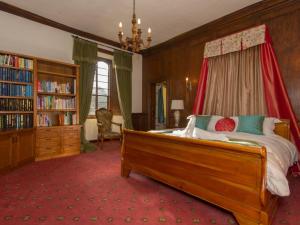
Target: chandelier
column 135, row 42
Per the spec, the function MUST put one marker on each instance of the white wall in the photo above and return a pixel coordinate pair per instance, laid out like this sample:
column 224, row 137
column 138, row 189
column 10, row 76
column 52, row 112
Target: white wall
column 27, row 37
column 30, row 38
column 137, row 83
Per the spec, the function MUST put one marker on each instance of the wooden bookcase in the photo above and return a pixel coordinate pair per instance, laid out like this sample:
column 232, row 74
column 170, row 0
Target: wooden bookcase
column 57, row 109
column 28, row 129
column 16, row 109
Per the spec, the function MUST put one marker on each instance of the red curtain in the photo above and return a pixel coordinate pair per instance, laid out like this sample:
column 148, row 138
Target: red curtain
column 199, row 101
column 277, row 99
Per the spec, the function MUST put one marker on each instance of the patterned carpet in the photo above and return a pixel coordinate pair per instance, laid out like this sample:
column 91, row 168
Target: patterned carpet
column 88, row 189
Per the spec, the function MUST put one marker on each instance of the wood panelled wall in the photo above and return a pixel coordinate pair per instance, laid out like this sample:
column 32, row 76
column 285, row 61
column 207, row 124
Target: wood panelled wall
column 182, row 56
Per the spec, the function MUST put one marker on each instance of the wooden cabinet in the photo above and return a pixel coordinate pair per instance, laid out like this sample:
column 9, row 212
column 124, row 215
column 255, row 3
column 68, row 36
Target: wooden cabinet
column 57, row 141
column 16, row 148
column 25, row 146
column 6, row 151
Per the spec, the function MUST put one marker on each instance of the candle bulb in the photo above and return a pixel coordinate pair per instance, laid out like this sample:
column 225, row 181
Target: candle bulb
column 149, row 32
column 120, row 26
column 139, row 21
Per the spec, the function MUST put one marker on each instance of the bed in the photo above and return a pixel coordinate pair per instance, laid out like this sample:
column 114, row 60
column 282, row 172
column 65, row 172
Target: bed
column 231, row 176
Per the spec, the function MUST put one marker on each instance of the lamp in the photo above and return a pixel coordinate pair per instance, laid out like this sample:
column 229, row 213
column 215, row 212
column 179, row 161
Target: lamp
column 177, row 105
column 135, row 42
column 188, row 84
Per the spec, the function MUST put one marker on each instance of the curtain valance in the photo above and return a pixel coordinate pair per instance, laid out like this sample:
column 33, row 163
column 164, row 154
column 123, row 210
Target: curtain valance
column 236, row 42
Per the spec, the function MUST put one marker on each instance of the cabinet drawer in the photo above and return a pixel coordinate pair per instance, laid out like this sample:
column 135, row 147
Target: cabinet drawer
column 74, row 147
column 48, row 133
column 71, row 129
column 45, row 140
column 47, row 151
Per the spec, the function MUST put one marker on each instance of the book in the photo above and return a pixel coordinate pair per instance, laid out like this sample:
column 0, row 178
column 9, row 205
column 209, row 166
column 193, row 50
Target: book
column 16, row 121
column 54, row 87
column 15, row 61
column 54, row 102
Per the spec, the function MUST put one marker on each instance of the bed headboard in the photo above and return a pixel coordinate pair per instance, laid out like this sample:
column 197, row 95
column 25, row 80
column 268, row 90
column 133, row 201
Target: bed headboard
column 283, row 129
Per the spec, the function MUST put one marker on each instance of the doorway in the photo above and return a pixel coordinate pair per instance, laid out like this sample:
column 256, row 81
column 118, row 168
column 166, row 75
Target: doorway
column 159, row 106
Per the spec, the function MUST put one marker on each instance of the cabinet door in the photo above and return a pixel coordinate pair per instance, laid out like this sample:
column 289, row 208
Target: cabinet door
column 25, row 151
column 71, row 139
column 6, row 151
column 48, row 142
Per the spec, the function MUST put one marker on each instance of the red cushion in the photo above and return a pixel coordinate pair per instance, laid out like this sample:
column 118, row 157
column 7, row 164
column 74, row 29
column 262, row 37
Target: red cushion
column 225, row 124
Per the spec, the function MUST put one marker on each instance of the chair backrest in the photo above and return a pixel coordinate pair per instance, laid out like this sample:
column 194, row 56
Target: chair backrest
column 104, row 117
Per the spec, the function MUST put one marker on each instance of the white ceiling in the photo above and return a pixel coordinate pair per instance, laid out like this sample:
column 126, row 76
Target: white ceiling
column 167, row 18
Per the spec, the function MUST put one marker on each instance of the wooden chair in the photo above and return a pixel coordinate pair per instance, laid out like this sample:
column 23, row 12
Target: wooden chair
column 104, row 123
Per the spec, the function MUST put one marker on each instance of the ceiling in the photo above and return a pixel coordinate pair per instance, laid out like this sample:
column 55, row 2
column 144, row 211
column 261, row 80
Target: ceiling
column 167, row 18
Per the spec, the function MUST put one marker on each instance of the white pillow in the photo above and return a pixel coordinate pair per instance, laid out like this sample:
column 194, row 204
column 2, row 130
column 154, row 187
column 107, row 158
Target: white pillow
column 269, row 125
column 236, row 120
column 212, row 122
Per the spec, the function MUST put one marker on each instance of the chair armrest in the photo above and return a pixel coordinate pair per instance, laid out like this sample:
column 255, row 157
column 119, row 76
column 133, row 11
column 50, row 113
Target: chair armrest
column 118, row 124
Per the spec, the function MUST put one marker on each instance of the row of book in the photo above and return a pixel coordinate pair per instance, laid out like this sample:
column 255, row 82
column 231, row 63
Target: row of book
column 9, row 74
column 16, row 104
column 55, row 87
column 53, row 102
column 15, row 90
column 16, row 121
column 15, row 61
column 45, row 120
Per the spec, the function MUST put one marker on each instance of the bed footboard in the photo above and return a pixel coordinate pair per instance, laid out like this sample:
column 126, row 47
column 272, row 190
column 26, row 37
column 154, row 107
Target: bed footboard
column 227, row 175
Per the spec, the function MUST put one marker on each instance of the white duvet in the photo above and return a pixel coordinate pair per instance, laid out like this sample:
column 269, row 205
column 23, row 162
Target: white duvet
column 281, row 153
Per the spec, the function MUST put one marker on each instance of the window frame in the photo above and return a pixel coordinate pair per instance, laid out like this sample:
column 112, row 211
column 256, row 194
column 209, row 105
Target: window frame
column 110, row 64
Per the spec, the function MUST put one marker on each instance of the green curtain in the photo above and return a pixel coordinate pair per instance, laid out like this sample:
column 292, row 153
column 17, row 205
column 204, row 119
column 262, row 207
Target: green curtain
column 85, row 55
column 123, row 70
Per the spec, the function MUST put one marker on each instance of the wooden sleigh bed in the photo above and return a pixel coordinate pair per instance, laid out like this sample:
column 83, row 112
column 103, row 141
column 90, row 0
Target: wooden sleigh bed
column 231, row 176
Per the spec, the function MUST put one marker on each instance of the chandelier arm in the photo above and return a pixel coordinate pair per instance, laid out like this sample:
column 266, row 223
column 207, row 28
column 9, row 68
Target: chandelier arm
column 135, row 42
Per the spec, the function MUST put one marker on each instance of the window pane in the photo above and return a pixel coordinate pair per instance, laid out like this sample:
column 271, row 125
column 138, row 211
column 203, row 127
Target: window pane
column 102, row 105
column 102, row 78
column 102, row 71
column 102, row 85
column 102, row 101
column 102, row 98
column 102, row 64
column 102, row 91
column 93, row 106
column 94, row 90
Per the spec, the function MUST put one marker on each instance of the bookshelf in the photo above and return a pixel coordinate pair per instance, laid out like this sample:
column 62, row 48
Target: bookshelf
column 16, row 109
column 39, row 109
column 16, row 91
column 57, row 109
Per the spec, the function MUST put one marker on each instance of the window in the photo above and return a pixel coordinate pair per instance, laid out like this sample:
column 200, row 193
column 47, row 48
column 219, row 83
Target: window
column 101, row 86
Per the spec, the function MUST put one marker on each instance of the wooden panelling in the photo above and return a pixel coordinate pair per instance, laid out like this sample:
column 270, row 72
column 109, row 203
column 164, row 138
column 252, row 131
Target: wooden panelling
column 139, row 121
column 182, row 56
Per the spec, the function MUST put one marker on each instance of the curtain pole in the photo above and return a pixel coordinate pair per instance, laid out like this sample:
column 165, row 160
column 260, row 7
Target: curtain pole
column 104, row 45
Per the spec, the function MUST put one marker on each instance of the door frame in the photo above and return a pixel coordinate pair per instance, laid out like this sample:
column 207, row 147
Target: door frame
column 152, row 102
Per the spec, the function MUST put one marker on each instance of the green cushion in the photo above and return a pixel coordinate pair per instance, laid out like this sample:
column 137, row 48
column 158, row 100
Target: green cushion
column 202, row 122
column 251, row 124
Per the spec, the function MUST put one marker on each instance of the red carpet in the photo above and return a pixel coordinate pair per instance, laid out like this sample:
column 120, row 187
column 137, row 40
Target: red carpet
column 88, row 189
